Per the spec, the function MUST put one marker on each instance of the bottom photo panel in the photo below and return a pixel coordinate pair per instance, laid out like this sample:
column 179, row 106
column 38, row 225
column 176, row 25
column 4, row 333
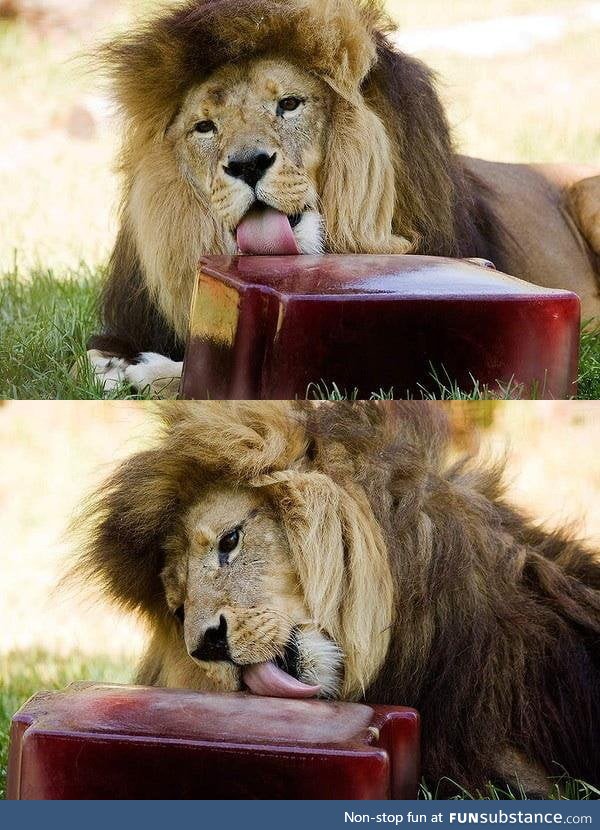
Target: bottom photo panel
column 300, row 600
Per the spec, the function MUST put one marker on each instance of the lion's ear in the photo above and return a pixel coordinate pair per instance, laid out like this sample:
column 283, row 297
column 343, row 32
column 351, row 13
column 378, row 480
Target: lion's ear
column 341, row 560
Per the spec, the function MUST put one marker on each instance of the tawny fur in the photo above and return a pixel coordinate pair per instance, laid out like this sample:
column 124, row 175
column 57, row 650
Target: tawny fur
column 439, row 594
column 388, row 180
column 377, row 165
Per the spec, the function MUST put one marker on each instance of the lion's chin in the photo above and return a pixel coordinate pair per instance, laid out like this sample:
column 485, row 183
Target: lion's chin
column 310, row 233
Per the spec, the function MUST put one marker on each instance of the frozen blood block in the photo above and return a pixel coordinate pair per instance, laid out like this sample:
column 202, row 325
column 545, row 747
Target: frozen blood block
column 272, row 327
column 99, row 741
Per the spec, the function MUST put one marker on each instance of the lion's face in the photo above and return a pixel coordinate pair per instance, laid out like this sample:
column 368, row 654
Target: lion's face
column 230, row 581
column 308, row 133
column 251, row 140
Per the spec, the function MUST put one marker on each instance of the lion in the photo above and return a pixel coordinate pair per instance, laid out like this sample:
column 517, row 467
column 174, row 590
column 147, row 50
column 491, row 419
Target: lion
column 295, row 126
column 340, row 550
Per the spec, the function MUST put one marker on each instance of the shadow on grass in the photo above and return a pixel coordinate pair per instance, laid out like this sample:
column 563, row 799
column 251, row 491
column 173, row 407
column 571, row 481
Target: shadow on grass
column 589, row 363
column 563, row 788
column 441, row 388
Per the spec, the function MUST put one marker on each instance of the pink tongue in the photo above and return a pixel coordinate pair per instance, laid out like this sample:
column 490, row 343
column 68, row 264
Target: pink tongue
column 266, row 231
column 269, row 680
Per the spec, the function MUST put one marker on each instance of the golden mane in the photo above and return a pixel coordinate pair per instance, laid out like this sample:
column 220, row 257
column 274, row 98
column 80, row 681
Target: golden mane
column 409, row 191
column 440, row 595
column 335, row 542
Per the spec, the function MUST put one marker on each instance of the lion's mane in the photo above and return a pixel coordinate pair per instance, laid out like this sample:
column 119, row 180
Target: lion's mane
column 389, row 146
column 441, row 595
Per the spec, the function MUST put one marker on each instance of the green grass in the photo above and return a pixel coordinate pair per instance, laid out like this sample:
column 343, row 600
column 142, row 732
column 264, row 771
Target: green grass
column 23, row 673
column 46, row 319
column 440, row 387
column 589, row 364
column 563, row 789
column 45, row 322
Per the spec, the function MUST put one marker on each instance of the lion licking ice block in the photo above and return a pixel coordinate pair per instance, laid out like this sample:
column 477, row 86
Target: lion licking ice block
column 95, row 741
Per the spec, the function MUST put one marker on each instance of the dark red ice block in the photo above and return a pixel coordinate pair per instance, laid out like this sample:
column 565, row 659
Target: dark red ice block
column 102, row 741
column 268, row 327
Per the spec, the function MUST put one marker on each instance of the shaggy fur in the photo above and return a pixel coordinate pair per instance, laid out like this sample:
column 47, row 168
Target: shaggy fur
column 388, row 145
column 439, row 594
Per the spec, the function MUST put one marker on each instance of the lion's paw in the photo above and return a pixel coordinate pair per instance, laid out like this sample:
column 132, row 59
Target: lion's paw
column 150, row 371
column 157, row 372
column 110, row 371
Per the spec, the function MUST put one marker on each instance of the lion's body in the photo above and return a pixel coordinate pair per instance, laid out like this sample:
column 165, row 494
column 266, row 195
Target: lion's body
column 550, row 242
column 437, row 593
column 366, row 162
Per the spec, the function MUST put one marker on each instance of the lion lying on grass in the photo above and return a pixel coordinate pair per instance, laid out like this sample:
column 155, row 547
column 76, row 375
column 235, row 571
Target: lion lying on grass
column 294, row 126
column 334, row 550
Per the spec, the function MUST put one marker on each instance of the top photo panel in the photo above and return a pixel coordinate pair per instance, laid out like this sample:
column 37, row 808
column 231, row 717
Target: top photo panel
column 291, row 199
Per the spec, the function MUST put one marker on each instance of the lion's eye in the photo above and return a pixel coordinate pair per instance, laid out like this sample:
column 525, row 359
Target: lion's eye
column 179, row 613
column 289, row 104
column 205, row 127
column 228, row 543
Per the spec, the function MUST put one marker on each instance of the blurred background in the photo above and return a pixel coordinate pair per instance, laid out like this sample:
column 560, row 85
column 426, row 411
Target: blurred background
column 520, row 79
column 53, row 453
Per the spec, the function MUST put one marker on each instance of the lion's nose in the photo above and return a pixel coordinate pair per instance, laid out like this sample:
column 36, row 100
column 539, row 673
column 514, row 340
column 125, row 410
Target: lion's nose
column 250, row 168
column 213, row 644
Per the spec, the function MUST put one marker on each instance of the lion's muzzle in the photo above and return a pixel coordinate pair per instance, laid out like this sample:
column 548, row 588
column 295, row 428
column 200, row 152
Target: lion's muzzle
column 276, row 659
column 272, row 678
